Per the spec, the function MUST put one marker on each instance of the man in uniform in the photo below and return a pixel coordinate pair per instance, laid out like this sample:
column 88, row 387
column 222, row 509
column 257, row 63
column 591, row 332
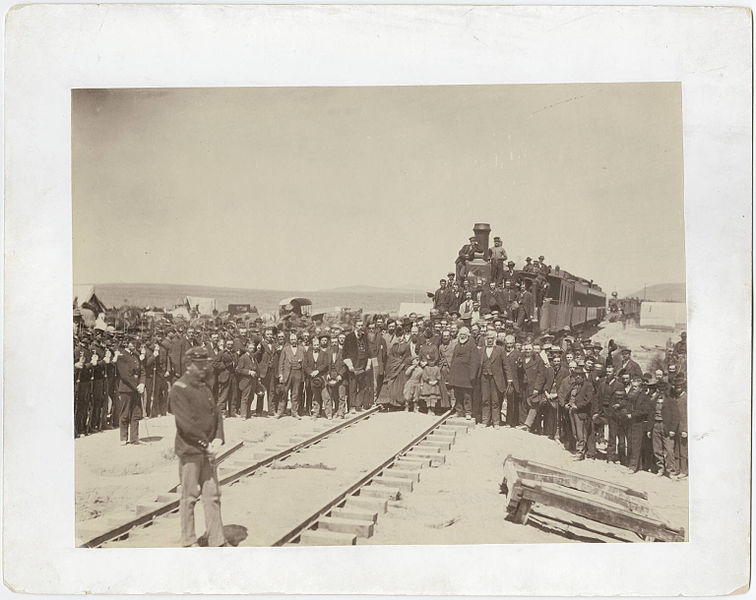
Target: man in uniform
column 628, row 365
column 199, row 436
column 130, row 389
column 498, row 256
column 223, row 368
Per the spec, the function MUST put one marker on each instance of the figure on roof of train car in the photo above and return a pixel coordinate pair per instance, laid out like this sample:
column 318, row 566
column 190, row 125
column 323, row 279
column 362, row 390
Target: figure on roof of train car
column 528, row 268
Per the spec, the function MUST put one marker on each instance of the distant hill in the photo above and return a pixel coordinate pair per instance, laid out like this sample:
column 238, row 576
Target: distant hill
column 370, row 289
column 662, row 292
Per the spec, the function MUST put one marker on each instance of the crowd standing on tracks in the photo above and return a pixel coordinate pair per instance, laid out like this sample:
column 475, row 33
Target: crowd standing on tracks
column 479, row 353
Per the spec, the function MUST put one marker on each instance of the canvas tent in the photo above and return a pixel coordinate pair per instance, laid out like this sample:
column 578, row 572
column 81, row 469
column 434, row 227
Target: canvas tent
column 421, row 309
column 206, row 306
column 86, row 293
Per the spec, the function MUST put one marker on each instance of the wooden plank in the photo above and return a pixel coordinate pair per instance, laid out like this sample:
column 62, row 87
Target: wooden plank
column 530, row 469
column 599, row 511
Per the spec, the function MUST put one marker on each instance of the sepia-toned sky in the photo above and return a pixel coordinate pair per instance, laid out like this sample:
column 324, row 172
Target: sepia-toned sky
column 312, row 188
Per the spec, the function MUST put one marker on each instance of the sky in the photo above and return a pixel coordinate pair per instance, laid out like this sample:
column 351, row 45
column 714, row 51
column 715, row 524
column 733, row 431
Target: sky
column 316, row 187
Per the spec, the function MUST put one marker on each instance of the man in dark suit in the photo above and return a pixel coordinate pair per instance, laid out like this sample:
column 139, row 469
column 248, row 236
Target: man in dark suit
column 266, row 361
column 130, row 389
column 493, row 381
column 488, row 300
column 178, row 348
column 526, row 312
column 513, row 360
column 628, row 365
column 223, row 367
column 356, row 358
column 315, row 369
column 246, row 376
column 534, row 382
column 290, row 375
column 335, row 377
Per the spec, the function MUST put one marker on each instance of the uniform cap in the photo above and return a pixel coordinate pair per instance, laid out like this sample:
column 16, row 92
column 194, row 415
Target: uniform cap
column 510, row 264
column 497, row 239
column 540, row 257
column 197, row 353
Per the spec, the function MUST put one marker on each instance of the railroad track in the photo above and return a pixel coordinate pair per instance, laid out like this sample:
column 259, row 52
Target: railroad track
column 354, row 512
column 162, row 504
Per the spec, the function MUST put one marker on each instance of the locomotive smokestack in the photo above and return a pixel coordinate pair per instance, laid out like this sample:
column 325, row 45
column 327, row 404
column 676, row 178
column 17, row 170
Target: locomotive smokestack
column 482, row 232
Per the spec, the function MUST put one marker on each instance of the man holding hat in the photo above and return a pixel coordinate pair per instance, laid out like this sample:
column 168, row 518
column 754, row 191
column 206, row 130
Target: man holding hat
column 497, row 255
column 130, row 389
column 199, row 436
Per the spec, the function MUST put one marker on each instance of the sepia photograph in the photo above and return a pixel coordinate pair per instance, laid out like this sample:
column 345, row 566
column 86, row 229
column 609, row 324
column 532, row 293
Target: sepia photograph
column 381, row 300
column 379, row 315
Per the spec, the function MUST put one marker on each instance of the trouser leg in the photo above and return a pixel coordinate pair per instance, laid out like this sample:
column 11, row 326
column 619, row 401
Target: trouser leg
column 295, row 386
column 635, row 440
column 524, row 410
column 246, row 401
column 487, row 391
column 513, row 407
column 669, row 455
column 124, row 418
column 682, row 452
column 211, row 503
column 224, row 392
column 590, row 438
column 463, row 401
column 657, row 442
column 549, row 420
column 189, row 476
column 581, row 434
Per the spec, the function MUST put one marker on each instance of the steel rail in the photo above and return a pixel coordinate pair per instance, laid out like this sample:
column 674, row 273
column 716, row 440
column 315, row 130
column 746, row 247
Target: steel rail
column 295, row 532
column 172, row 505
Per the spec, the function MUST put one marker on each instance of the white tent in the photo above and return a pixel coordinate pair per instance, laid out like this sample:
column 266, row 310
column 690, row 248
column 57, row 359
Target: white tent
column 206, row 306
column 419, row 308
column 662, row 314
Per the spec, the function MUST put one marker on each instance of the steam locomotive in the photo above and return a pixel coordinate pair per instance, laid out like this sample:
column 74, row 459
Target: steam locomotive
column 571, row 302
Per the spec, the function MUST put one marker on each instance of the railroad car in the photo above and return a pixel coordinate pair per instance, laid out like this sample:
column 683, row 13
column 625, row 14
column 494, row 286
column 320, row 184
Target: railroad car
column 571, row 302
column 616, row 307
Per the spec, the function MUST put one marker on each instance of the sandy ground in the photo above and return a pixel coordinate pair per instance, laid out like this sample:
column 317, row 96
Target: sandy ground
column 646, row 344
column 460, row 502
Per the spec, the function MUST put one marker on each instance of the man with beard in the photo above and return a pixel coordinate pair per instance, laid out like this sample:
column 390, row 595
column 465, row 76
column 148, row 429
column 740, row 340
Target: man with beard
column 199, row 436
column 290, row 374
column 493, row 381
column 464, row 367
column 534, row 380
column 356, row 358
column 130, row 389
column 246, row 376
column 267, row 362
column 223, row 368
column 315, row 369
column 335, row 391
column 513, row 360
column 377, row 352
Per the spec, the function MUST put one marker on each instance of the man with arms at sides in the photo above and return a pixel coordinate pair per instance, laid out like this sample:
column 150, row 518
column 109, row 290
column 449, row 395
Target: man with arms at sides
column 463, row 371
column 335, row 387
column 493, row 381
column 199, row 436
column 316, row 368
column 290, row 373
column 356, row 359
column 130, row 389
column 246, row 376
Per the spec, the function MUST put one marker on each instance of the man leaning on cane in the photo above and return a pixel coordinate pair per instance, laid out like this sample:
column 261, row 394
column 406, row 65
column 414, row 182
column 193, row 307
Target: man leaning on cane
column 199, row 436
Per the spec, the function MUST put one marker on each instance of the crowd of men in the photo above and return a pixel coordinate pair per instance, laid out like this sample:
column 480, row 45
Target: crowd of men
column 477, row 354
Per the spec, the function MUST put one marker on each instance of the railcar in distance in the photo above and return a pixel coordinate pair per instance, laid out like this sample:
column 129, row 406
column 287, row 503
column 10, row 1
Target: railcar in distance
column 629, row 308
